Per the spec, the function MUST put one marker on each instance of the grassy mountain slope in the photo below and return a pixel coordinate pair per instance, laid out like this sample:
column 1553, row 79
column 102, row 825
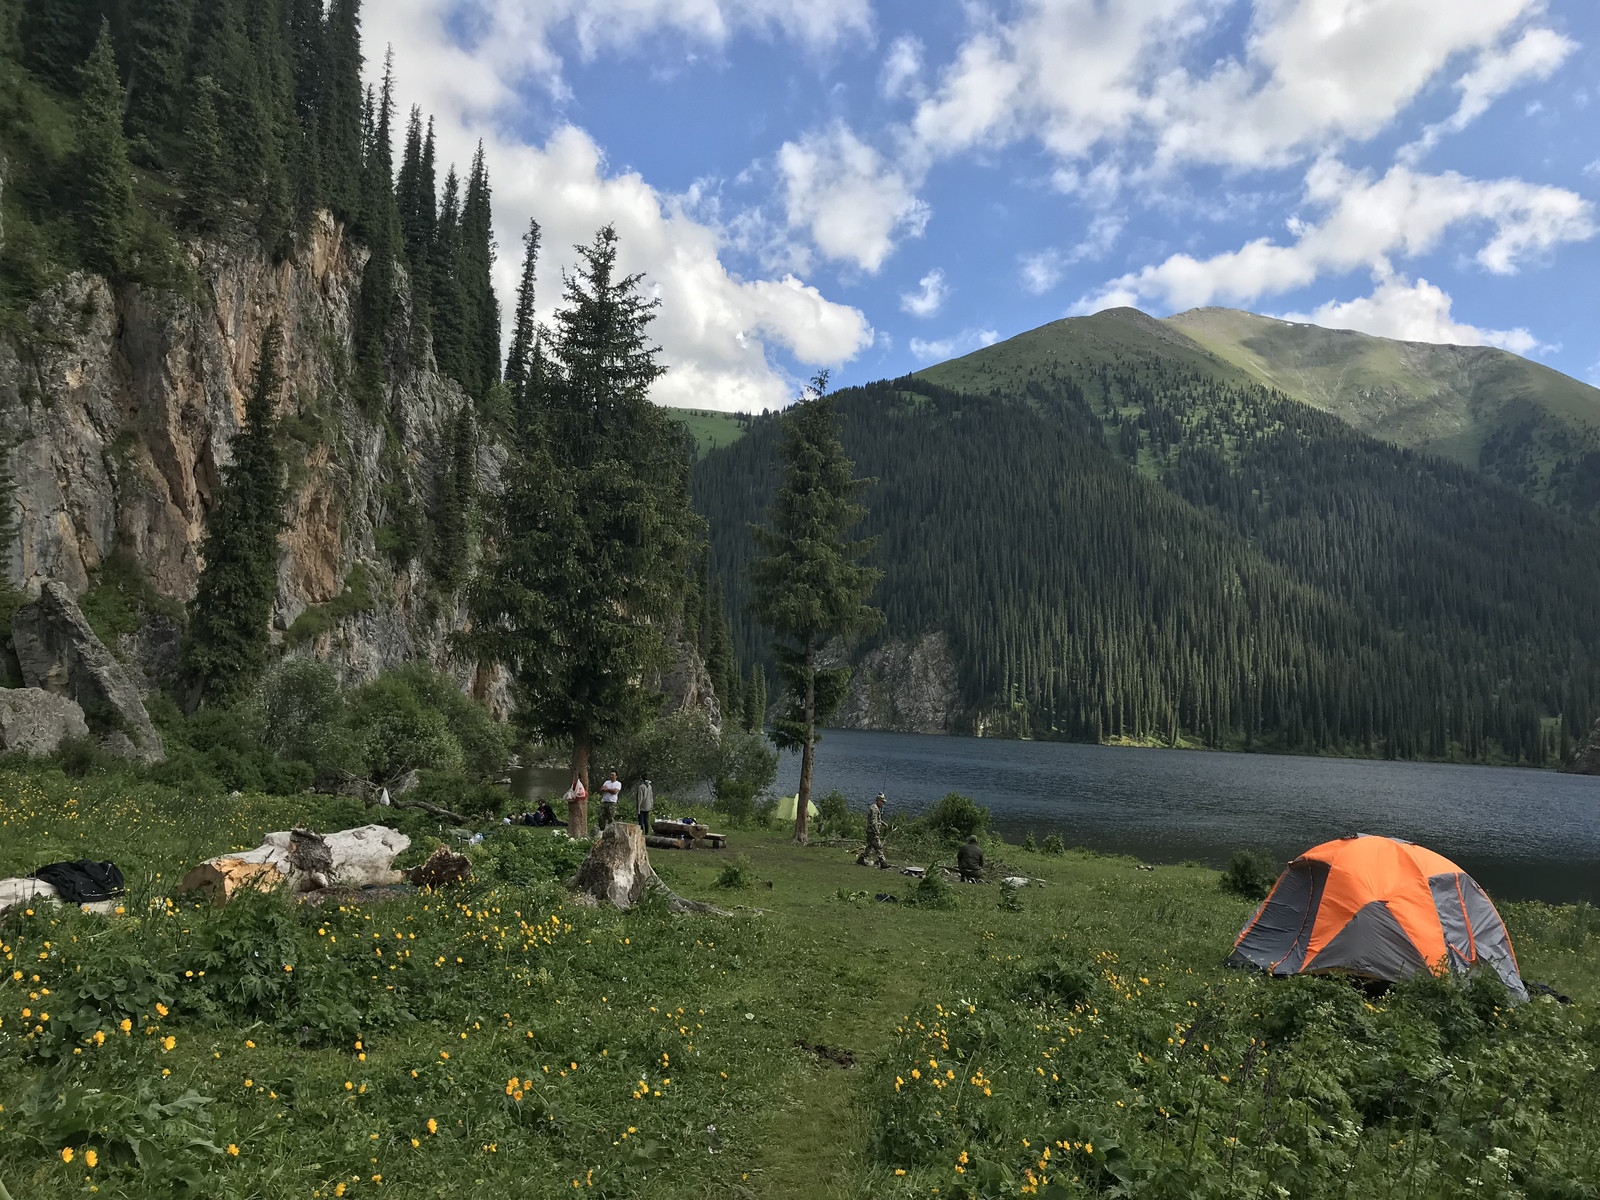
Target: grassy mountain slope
column 1121, row 544
column 710, row 429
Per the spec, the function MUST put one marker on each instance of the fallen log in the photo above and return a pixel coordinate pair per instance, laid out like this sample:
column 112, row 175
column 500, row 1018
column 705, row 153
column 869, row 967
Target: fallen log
column 304, row 862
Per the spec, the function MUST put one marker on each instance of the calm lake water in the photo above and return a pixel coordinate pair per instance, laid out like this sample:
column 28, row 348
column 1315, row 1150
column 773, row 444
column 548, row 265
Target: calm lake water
column 1522, row 834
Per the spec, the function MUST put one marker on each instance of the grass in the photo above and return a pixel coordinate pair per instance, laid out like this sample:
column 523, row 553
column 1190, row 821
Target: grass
column 500, row 1037
column 710, row 430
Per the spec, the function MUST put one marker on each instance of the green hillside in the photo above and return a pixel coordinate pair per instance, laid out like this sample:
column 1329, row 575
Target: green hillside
column 1123, row 544
column 711, row 430
column 1517, row 421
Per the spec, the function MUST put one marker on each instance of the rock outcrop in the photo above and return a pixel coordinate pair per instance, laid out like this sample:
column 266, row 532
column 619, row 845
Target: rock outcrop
column 906, row 687
column 59, row 653
column 1585, row 759
column 34, row 721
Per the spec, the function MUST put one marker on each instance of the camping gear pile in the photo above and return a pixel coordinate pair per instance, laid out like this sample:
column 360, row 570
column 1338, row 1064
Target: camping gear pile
column 1380, row 909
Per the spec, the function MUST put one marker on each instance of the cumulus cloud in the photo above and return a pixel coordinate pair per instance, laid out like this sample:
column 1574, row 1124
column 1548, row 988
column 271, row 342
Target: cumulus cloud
column 929, row 297
column 1533, row 56
column 716, row 330
column 1403, row 213
column 902, row 68
column 964, row 342
column 1412, row 312
column 850, row 201
column 1041, row 272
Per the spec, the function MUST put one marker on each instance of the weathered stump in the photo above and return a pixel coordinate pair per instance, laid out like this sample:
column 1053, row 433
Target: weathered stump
column 617, row 872
column 443, row 867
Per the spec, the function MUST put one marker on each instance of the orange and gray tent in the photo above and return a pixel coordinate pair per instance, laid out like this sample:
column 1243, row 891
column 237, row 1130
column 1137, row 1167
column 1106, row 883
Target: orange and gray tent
column 1377, row 908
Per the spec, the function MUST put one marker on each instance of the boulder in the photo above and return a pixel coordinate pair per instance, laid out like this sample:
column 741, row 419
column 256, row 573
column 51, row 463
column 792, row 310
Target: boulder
column 35, row 721
column 59, row 653
column 1585, row 759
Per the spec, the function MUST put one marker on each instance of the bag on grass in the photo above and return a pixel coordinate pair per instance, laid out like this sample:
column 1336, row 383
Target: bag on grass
column 83, row 882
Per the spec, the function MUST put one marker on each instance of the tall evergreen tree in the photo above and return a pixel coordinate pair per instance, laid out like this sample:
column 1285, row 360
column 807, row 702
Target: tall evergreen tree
column 449, row 299
column 57, row 36
column 380, row 225
column 455, row 498
column 226, row 648
column 414, row 194
column 207, row 189
column 158, row 45
column 475, row 268
column 587, row 549
column 755, row 700
column 105, row 210
column 519, row 361
column 339, row 108
column 810, row 586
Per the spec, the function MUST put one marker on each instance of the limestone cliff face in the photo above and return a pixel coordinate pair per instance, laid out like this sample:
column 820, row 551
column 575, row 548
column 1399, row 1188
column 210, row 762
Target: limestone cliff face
column 904, row 686
column 126, row 402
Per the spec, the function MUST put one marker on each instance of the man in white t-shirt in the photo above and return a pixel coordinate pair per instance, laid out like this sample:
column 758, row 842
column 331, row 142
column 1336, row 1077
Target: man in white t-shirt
column 610, row 791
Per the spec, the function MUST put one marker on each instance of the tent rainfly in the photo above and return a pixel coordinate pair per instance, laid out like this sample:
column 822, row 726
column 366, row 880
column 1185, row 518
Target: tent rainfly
column 1376, row 908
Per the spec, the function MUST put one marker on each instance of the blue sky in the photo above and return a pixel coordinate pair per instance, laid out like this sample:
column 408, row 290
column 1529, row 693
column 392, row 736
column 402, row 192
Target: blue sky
column 872, row 185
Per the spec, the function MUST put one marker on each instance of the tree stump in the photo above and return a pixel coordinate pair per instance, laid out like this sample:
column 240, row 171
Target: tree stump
column 443, row 867
column 617, row 872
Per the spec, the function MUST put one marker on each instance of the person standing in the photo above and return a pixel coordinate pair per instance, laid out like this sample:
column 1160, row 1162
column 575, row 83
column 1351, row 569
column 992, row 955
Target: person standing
column 873, row 855
column 610, row 793
column 644, row 803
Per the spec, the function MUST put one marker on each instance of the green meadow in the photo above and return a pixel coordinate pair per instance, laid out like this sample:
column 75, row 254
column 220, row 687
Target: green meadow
column 1078, row 1038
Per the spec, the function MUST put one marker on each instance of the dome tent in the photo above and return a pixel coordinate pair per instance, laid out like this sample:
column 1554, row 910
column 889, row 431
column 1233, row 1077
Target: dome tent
column 1378, row 908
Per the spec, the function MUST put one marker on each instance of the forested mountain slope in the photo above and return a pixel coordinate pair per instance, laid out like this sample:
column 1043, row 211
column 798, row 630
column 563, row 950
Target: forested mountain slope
column 1122, row 542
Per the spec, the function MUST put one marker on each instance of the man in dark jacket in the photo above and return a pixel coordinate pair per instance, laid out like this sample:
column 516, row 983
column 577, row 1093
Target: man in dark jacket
column 970, row 861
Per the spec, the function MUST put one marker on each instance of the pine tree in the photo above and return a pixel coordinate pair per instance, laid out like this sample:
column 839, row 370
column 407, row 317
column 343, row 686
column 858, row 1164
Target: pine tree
column 586, row 551
column 158, row 44
column 519, row 361
column 339, row 108
column 414, row 195
column 380, row 226
column 811, row 587
column 449, row 300
column 226, row 649
column 475, row 269
column 105, row 211
column 755, row 700
column 206, row 190
column 57, row 36
column 456, row 496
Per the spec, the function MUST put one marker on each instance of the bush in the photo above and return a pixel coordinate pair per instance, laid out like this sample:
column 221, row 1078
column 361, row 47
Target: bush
column 956, row 818
column 932, row 892
column 1050, row 981
column 1029, row 844
column 677, row 753
column 399, row 732
column 1249, row 874
column 737, row 875
column 835, row 820
column 1010, row 897
column 1054, row 845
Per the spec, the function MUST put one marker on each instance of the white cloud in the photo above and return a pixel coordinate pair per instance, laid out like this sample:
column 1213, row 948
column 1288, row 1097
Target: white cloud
column 902, row 69
column 851, row 202
column 929, row 297
column 715, row 329
column 1535, row 55
column 1404, row 213
column 1042, row 271
column 962, row 343
column 1412, row 312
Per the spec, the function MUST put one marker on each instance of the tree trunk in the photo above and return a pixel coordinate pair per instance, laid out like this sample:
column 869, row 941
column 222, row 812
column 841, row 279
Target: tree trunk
column 808, row 752
column 578, row 810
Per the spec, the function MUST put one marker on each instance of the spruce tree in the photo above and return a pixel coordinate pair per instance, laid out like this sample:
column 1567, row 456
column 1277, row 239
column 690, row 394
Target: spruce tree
column 755, row 700
column 105, row 211
column 475, row 269
column 810, row 586
column 519, row 361
column 586, row 550
column 449, row 299
column 206, row 180
column 158, row 44
column 57, row 36
column 339, row 108
column 456, row 496
column 414, row 196
column 380, row 227
column 226, row 649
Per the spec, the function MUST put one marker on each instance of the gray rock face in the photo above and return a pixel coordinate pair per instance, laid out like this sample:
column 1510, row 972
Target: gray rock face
column 59, row 653
column 35, row 721
column 906, row 687
column 1586, row 758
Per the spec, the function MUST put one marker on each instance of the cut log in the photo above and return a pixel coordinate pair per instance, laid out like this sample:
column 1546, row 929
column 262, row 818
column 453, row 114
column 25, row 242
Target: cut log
column 305, row 861
column 443, row 867
column 14, row 893
column 617, row 872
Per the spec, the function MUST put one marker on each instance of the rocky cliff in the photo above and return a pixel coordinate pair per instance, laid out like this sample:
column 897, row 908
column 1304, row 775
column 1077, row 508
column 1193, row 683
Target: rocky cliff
column 125, row 401
column 905, row 686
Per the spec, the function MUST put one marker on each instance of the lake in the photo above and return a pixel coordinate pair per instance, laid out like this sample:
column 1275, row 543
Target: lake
column 1522, row 834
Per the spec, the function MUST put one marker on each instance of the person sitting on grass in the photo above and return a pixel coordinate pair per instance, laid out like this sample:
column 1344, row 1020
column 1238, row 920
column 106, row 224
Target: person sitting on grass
column 969, row 860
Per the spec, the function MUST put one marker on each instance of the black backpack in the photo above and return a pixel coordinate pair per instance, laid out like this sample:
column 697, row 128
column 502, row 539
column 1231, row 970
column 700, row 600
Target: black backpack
column 82, row 882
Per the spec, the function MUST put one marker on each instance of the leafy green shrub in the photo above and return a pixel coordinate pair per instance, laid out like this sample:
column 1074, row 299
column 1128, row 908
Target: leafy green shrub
column 932, row 892
column 1249, row 874
column 835, row 820
column 737, row 875
column 1050, row 980
column 765, row 811
column 526, row 857
column 677, row 753
column 746, row 765
column 461, row 793
column 81, row 757
column 956, row 818
column 1054, row 845
column 1029, row 844
column 1010, row 897
column 400, row 732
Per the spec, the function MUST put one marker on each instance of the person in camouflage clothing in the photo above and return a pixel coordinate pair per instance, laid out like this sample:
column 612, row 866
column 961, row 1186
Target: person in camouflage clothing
column 873, row 854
